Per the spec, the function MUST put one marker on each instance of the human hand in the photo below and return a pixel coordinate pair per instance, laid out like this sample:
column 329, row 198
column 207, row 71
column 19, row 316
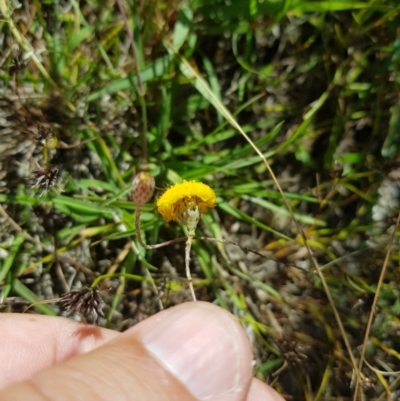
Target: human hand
column 191, row 352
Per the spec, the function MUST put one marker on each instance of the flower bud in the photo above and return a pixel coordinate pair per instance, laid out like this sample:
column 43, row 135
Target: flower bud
column 143, row 188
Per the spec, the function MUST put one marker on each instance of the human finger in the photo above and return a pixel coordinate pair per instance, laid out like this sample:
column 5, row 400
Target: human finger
column 260, row 391
column 30, row 343
column 190, row 352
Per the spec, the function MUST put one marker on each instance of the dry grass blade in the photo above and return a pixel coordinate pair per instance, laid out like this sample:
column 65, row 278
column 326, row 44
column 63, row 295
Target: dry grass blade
column 392, row 386
column 43, row 302
column 372, row 313
column 191, row 72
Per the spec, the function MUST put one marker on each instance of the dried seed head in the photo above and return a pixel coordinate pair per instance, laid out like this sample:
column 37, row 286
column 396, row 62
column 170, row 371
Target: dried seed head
column 143, row 188
column 18, row 64
column 44, row 178
column 46, row 137
column 86, row 301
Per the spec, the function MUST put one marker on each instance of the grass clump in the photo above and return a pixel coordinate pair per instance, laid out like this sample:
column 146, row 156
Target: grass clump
column 287, row 110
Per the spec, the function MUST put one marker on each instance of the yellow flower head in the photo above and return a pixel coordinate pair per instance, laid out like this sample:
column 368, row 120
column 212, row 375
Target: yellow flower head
column 177, row 199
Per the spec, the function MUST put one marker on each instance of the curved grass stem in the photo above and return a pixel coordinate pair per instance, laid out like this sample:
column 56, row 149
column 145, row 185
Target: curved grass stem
column 203, row 87
column 141, row 90
column 373, row 307
column 117, row 275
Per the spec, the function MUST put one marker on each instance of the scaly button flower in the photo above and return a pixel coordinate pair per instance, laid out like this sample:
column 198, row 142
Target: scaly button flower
column 185, row 202
column 142, row 188
column 177, row 200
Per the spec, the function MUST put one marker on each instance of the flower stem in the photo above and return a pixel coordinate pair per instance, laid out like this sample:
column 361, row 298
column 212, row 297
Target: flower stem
column 187, row 267
column 46, row 156
column 138, row 232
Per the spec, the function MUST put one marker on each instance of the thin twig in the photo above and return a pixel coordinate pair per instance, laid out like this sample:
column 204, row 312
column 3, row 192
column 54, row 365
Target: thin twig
column 120, row 258
column 75, row 264
column 228, row 241
column 46, row 301
column 61, row 276
column 183, row 239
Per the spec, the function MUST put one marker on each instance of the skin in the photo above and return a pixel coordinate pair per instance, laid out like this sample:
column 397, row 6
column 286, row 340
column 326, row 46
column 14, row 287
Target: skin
column 191, row 352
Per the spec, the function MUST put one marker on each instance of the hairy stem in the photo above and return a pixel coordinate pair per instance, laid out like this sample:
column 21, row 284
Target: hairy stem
column 187, row 267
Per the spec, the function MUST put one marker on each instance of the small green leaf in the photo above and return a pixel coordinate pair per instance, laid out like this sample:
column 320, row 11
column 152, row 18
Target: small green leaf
column 23, row 291
column 18, row 241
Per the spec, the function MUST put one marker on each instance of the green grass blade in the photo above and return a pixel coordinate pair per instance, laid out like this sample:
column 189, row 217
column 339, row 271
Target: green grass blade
column 23, row 291
column 18, row 241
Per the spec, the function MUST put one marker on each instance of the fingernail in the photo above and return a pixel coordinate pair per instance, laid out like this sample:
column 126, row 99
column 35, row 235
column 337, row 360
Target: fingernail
column 205, row 348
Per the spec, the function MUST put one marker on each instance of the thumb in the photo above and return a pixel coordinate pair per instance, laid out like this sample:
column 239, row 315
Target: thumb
column 190, row 352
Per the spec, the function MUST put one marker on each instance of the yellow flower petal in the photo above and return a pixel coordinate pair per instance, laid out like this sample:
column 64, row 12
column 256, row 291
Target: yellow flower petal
column 176, row 199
